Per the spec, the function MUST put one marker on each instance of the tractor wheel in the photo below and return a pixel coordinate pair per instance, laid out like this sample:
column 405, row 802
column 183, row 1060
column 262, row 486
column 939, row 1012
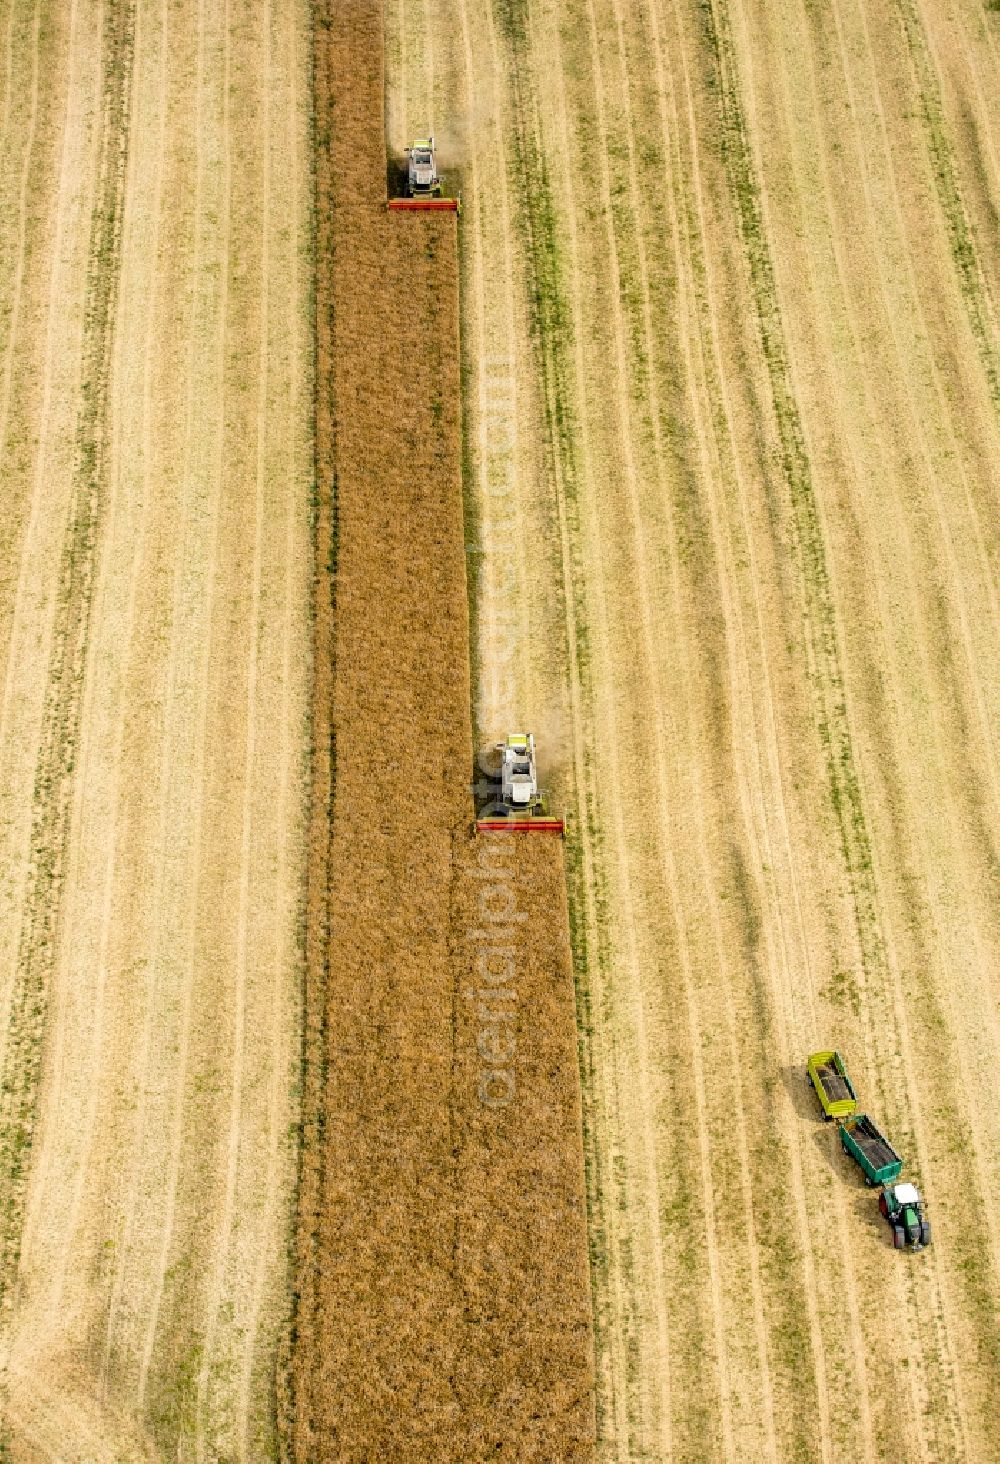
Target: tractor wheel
column 898, row 1237
column 925, row 1232
column 883, row 1205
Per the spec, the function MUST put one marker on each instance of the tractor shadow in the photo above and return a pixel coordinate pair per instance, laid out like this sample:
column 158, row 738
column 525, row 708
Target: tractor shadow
column 826, row 1137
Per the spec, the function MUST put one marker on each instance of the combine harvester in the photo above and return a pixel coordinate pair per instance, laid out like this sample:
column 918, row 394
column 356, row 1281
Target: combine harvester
column 423, row 182
column 520, row 808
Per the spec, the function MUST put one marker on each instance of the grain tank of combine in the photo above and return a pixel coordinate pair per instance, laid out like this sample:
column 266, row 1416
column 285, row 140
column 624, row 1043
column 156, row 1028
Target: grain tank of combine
column 518, row 778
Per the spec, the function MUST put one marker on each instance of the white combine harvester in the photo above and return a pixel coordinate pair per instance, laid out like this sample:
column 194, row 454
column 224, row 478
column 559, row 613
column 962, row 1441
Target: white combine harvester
column 423, row 182
column 422, row 178
column 521, row 808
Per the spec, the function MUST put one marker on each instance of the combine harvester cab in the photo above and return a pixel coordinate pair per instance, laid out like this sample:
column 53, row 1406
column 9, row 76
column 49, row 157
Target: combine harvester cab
column 423, row 182
column 870, row 1150
column 828, row 1078
column 520, row 808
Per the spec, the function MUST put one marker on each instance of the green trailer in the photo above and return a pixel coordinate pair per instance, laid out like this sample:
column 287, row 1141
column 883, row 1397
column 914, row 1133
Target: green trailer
column 828, row 1078
column 871, row 1150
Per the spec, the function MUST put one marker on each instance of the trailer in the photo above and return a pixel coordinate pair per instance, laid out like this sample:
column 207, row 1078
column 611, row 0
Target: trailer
column 828, row 1078
column 870, row 1150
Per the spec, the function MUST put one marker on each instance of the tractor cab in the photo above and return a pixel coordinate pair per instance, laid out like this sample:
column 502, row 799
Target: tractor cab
column 903, row 1208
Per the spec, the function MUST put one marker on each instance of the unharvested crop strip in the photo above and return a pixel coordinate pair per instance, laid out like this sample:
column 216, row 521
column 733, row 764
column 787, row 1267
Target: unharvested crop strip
column 442, row 1302
column 59, row 741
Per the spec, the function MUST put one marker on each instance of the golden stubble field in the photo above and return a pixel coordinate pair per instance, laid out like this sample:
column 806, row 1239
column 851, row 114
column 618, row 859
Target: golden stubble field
column 155, row 402
column 732, row 339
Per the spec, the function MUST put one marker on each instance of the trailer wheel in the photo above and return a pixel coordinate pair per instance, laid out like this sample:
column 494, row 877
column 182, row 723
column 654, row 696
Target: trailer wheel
column 898, row 1237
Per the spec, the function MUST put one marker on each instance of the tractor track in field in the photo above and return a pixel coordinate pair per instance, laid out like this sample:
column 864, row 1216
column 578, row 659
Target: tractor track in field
column 981, row 312
column 291, row 552
column 14, row 320
column 881, row 986
column 217, row 1288
column 133, row 1179
column 153, row 1280
column 152, row 1319
column 978, row 1119
column 13, row 324
column 551, row 333
column 58, row 748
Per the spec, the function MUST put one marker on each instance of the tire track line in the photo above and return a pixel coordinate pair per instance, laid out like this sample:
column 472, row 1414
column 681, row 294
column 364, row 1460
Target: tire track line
column 918, row 418
column 8, row 74
column 972, row 283
column 196, row 853
column 224, row 1227
column 875, row 938
column 286, row 883
column 585, row 869
column 986, row 113
column 651, row 1179
column 53, row 319
column 488, row 591
column 639, row 555
column 91, row 754
column 22, row 240
column 132, row 1204
column 37, row 495
column 55, row 783
column 712, row 373
column 987, row 1015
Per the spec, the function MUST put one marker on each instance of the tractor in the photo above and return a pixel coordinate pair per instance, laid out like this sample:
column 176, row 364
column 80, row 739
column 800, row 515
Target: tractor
column 902, row 1207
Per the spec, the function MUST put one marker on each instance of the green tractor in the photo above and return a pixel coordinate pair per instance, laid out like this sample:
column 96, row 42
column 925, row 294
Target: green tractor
column 903, row 1208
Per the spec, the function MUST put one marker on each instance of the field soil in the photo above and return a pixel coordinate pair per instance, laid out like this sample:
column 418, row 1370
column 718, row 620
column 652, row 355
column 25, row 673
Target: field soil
column 154, row 642
column 731, row 335
column 443, row 1289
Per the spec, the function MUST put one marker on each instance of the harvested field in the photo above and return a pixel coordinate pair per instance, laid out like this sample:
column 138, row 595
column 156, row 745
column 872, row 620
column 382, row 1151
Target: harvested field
column 444, row 1301
column 155, row 636
column 731, row 331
